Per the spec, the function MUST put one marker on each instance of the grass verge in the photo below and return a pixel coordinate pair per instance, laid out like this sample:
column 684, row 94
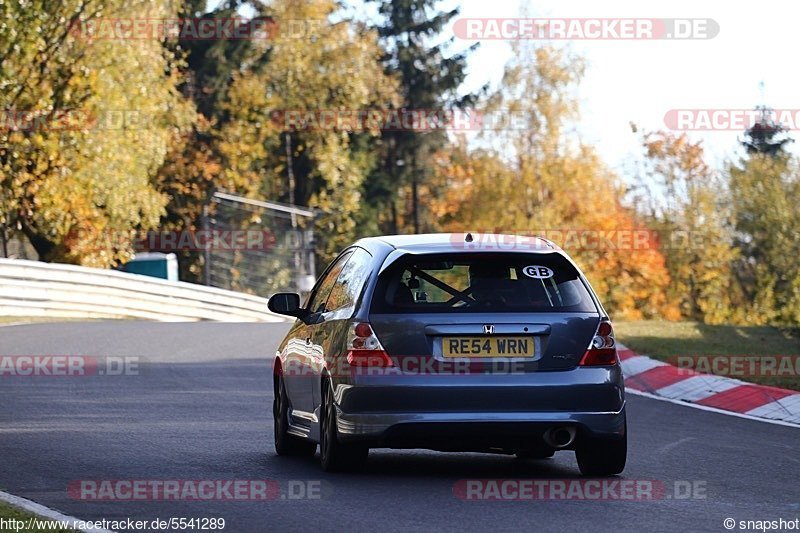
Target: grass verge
column 9, row 512
column 759, row 354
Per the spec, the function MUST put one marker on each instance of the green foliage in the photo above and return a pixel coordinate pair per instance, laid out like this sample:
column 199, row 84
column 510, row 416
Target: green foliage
column 534, row 179
column 429, row 77
column 71, row 186
column 101, row 137
column 244, row 91
column 693, row 219
column 739, row 262
column 764, row 190
column 334, row 67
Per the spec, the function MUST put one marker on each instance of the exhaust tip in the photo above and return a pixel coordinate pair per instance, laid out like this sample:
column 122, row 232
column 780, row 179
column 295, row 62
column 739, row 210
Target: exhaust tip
column 560, row 437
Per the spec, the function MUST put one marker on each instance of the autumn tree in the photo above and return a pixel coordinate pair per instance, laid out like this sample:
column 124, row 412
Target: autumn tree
column 247, row 140
column 688, row 205
column 764, row 187
column 430, row 74
column 193, row 167
column 323, row 66
column 530, row 176
column 87, row 123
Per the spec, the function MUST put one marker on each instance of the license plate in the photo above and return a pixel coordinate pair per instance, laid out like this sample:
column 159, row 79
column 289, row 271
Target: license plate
column 488, row 347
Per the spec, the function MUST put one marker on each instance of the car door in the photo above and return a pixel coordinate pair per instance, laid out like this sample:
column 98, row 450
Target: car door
column 303, row 355
column 331, row 332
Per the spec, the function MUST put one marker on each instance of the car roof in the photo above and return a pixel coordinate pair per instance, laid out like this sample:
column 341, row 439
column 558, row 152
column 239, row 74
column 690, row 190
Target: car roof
column 461, row 242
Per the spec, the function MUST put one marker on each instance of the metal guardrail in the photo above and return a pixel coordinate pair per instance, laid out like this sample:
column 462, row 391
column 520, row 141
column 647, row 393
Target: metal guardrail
column 32, row 288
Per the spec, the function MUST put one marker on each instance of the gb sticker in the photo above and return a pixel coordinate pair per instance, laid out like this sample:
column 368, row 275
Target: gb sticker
column 538, row 272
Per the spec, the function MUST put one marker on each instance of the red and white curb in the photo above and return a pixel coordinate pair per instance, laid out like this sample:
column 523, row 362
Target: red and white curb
column 663, row 380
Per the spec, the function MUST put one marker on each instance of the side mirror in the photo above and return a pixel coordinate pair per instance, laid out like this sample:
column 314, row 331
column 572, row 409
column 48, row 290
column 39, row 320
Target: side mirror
column 286, row 303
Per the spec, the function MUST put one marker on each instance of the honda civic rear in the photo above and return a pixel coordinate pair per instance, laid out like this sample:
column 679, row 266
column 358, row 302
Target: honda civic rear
column 454, row 348
column 485, row 351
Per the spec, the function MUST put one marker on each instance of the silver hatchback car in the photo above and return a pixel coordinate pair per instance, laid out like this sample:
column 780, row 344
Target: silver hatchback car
column 451, row 342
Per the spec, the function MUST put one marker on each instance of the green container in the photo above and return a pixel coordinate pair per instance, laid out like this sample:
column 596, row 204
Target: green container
column 155, row 264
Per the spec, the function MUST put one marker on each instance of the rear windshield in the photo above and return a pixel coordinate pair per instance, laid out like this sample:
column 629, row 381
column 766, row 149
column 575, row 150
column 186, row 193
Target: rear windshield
column 480, row 283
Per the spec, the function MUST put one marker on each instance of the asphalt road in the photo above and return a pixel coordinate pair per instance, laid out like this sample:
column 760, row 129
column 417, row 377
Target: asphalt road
column 199, row 408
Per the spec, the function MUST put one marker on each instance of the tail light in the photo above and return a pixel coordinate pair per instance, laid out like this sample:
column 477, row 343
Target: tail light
column 603, row 349
column 365, row 348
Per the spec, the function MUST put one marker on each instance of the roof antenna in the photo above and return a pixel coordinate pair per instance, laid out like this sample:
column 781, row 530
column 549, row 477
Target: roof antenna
column 468, row 237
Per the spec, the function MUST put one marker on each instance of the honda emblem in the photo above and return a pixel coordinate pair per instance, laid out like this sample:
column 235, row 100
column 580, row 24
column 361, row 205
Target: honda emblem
column 488, row 329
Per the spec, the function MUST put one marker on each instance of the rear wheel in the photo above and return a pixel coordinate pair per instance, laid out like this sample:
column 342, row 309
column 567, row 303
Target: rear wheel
column 286, row 444
column 334, row 455
column 602, row 457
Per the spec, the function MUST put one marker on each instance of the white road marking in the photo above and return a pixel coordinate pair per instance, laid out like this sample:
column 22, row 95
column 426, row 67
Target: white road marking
column 671, row 445
column 44, row 512
column 712, row 409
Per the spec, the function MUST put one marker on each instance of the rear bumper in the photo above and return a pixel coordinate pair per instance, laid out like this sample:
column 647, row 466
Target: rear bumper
column 473, row 431
column 480, row 412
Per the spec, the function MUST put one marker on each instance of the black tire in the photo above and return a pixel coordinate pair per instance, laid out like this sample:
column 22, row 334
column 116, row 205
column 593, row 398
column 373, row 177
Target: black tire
column 336, row 456
column 602, row 457
column 286, row 444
